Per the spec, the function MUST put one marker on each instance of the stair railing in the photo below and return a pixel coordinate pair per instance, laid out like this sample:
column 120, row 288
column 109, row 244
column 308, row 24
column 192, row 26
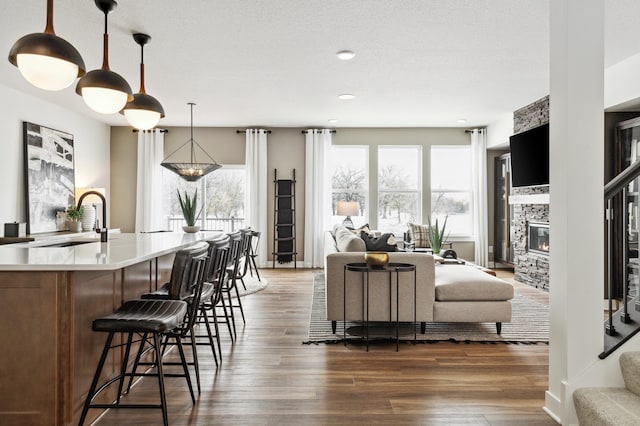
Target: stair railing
column 616, row 336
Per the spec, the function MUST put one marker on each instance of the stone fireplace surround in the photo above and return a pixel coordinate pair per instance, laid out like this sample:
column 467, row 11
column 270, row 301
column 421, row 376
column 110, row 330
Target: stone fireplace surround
column 531, row 204
column 530, row 267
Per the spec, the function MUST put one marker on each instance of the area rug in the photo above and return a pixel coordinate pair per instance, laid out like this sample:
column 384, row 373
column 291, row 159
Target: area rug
column 252, row 284
column 529, row 324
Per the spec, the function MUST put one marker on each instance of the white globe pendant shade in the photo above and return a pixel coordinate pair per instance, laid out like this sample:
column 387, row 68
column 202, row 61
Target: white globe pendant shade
column 103, row 100
column 45, row 60
column 47, row 72
column 144, row 111
column 103, row 90
column 142, row 119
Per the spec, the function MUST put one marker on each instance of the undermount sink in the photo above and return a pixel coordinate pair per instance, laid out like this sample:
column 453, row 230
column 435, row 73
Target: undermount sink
column 69, row 243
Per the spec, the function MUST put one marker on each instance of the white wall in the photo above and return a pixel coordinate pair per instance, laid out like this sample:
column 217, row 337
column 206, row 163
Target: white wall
column 621, row 83
column 499, row 131
column 91, row 147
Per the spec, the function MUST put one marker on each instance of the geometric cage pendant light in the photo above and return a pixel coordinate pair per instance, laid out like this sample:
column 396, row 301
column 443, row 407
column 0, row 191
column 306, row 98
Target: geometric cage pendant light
column 103, row 90
column 193, row 169
column 46, row 60
column 144, row 111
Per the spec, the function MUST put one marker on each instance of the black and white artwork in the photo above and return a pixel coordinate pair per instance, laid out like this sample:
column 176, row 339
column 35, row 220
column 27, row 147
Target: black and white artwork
column 49, row 176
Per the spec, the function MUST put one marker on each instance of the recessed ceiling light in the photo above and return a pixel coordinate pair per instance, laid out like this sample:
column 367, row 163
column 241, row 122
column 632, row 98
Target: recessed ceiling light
column 333, row 120
column 345, row 55
column 346, row 96
column 462, row 120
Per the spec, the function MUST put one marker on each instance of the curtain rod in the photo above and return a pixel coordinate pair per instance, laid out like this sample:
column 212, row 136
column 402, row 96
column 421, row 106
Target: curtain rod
column 330, row 131
column 471, row 130
column 244, row 131
column 161, row 130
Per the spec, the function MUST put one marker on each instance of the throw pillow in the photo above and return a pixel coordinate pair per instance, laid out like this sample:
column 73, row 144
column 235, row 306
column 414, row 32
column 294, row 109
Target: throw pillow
column 357, row 231
column 419, row 235
column 346, row 241
column 386, row 242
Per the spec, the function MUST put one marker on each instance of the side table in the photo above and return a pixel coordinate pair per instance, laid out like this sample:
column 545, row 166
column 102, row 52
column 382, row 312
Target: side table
column 389, row 269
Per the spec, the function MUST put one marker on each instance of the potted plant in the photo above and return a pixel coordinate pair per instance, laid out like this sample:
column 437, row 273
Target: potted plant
column 436, row 235
column 74, row 214
column 189, row 208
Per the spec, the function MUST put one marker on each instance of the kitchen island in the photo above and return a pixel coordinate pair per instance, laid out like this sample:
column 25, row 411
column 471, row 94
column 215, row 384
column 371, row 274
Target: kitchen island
column 51, row 289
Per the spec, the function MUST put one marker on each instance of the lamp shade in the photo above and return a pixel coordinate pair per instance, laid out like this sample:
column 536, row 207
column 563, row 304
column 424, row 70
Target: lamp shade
column 144, row 111
column 192, row 170
column 104, row 91
column 348, row 208
column 45, row 60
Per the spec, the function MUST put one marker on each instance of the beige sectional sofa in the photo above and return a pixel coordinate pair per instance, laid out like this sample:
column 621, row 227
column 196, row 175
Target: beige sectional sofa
column 444, row 293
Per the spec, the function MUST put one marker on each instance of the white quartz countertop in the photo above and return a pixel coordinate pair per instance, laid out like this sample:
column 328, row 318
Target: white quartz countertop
column 91, row 255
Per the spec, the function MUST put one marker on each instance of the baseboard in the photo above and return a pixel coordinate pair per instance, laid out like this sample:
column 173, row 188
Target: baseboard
column 552, row 406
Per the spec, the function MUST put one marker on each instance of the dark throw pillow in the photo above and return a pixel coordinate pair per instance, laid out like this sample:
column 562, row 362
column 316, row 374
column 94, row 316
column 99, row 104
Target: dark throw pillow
column 379, row 244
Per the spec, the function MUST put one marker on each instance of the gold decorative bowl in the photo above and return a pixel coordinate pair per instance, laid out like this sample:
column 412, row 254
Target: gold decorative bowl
column 376, row 259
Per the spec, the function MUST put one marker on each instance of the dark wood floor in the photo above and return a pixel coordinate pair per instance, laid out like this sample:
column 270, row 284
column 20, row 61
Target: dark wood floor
column 269, row 377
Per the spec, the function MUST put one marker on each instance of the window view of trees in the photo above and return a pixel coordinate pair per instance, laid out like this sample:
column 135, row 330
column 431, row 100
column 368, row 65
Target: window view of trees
column 348, row 166
column 220, row 194
column 451, row 190
column 399, row 186
column 225, row 193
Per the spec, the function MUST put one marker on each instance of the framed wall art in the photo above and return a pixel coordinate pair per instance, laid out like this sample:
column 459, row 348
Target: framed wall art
column 49, row 175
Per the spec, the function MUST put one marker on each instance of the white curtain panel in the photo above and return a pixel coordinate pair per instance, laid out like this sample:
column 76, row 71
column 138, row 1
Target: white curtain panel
column 256, row 188
column 149, row 207
column 317, row 204
column 480, row 213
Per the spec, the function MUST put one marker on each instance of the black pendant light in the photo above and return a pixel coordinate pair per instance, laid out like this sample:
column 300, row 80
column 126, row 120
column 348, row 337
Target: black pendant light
column 103, row 90
column 46, row 60
column 193, row 170
column 144, row 111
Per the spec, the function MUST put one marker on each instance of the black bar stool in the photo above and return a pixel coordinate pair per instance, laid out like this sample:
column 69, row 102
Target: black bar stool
column 153, row 317
column 212, row 289
column 252, row 253
column 238, row 241
column 154, row 320
column 218, row 246
column 187, row 278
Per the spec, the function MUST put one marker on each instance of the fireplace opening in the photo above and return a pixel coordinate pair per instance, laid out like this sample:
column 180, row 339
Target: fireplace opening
column 538, row 238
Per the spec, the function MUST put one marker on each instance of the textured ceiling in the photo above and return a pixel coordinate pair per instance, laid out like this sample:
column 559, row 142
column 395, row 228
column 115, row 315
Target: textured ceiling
column 272, row 62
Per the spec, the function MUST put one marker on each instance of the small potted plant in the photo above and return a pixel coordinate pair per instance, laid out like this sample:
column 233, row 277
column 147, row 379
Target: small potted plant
column 189, row 208
column 436, row 235
column 74, row 214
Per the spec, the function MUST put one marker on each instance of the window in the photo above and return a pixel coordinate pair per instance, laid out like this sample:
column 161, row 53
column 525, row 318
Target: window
column 451, row 189
column 399, row 187
column 348, row 167
column 223, row 192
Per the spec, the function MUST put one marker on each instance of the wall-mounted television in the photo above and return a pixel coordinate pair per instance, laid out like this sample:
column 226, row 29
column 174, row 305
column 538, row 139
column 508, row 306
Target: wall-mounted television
column 530, row 157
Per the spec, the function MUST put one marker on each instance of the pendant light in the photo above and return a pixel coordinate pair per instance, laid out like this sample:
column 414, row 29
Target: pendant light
column 144, row 111
column 193, row 170
column 46, row 60
column 103, row 90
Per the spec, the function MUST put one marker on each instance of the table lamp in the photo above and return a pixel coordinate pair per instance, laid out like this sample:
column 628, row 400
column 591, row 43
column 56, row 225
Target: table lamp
column 348, row 209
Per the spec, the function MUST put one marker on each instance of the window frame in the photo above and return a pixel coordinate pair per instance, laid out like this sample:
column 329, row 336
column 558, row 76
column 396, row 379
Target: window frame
column 365, row 192
column 418, row 191
column 201, row 185
column 454, row 236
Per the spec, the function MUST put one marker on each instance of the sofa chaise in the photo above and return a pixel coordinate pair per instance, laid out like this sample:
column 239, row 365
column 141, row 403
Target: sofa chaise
column 444, row 293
